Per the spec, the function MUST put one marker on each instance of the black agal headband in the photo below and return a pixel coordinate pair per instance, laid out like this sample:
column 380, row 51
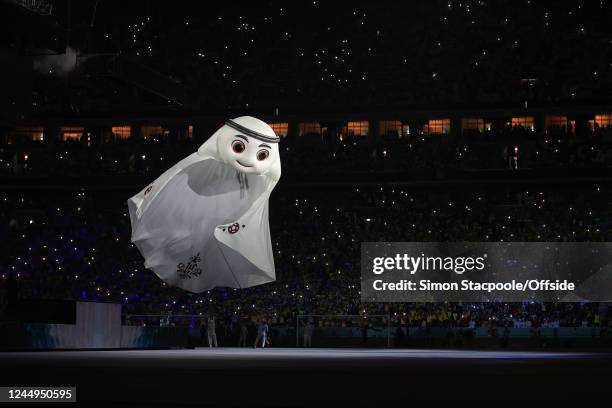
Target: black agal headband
column 252, row 133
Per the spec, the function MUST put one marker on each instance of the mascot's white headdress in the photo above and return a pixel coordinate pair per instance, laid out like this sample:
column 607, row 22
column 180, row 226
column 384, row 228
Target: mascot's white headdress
column 204, row 222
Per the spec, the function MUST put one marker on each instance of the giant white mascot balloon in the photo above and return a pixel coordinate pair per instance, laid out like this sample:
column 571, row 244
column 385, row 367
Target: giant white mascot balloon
column 204, row 222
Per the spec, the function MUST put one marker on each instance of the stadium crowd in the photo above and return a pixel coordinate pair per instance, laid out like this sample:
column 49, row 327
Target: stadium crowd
column 326, row 55
column 76, row 245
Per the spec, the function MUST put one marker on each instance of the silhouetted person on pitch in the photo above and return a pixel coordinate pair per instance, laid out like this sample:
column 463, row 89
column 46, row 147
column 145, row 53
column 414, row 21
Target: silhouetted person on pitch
column 308, row 330
column 262, row 333
column 364, row 332
column 244, row 332
column 211, row 332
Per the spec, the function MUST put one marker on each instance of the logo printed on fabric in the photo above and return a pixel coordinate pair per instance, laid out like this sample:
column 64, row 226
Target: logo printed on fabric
column 191, row 270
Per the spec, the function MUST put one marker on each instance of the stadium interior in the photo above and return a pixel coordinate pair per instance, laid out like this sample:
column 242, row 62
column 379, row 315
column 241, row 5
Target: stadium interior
column 436, row 121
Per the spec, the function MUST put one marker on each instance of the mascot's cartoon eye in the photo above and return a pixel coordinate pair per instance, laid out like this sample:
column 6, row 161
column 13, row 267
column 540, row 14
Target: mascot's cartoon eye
column 238, row 146
column 262, row 154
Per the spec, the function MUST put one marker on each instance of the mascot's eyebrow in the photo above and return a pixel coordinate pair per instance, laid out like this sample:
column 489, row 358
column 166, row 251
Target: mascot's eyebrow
column 264, row 145
column 243, row 137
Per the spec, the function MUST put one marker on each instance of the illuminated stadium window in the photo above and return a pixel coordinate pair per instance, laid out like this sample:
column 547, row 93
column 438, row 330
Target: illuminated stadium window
column 35, row 134
column 358, row 128
column 281, row 129
column 310, row 128
column 437, row 126
column 603, row 120
column 405, row 130
column 149, row 131
column 523, row 121
column 390, row 127
column 473, row 124
column 189, row 132
column 551, row 121
column 71, row 133
column 121, row 132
